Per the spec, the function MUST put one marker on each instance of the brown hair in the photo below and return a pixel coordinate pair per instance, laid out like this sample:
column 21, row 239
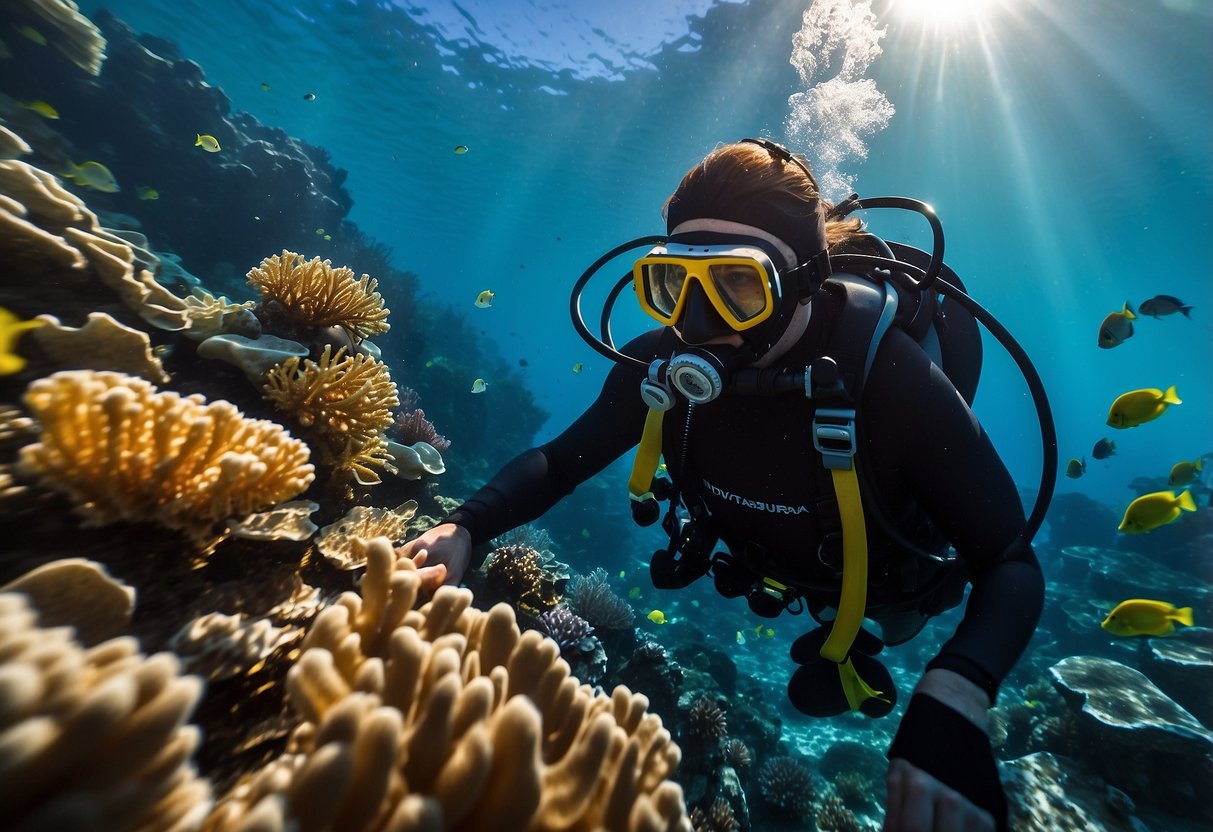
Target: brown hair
column 749, row 183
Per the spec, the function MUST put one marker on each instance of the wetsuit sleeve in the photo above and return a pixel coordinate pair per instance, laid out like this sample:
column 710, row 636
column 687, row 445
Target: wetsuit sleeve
column 535, row 480
column 950, row 467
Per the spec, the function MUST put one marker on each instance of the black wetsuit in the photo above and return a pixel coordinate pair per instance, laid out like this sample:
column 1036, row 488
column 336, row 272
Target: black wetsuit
column 751, row 460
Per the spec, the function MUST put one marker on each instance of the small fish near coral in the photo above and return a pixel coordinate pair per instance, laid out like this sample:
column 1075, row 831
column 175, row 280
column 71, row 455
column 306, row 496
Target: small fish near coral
column 1150, row 511
column 1116, row 328
column 92, row 175
column 1183, row 473
column 11, row 328
column 207, row 142
column 1140, row 406
column 657, row 617
column 1075, row 469
column 1141, row 617
column 1162, row 305
column 1103, row 449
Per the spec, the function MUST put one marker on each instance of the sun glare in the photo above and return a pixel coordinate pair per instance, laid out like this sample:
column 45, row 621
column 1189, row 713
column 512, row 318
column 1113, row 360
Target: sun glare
column 944, row 13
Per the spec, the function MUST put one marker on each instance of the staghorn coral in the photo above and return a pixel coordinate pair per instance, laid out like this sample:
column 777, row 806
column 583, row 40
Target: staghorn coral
column 706, row 720
column 447, row 717
column 124, row 451
column 346, row 402
column 93, row 739
column 737, row 754
column 336, row 541
column 786, row 784
column 719, row 818
column 590, row 596
column 519, row 574
column 313, row 294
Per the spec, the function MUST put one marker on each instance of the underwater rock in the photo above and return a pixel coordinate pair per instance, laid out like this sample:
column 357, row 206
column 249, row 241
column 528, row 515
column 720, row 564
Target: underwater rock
column 1074, row 519
column 1049, row 793
column 1183, row 667
column 1119, row 575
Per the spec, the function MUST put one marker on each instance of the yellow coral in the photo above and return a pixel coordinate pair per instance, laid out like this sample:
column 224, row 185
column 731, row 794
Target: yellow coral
column 93, row 739
column 315, row 294
column 124, row 451
column 448, row 717
column 346, row 401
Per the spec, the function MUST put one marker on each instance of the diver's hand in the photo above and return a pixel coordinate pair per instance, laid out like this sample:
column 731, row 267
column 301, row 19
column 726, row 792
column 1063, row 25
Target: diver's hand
column 920, row 802
column 442, row 555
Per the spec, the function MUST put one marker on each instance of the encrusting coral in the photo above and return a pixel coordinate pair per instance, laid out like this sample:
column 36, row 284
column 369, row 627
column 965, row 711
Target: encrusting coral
column 124, row 451
column 93, row 739
column 312, row 293
column 336, row 541
column 448, row 717
column 346, row 402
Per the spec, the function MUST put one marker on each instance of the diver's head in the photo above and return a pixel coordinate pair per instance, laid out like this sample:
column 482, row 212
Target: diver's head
column 750, row 200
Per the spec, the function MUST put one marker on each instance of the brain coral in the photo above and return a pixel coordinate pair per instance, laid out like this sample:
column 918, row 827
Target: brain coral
column 312, row 293
column 124, row 451
column 448, row 717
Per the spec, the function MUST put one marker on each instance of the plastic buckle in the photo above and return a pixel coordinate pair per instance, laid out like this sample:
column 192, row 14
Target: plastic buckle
column 834, row 437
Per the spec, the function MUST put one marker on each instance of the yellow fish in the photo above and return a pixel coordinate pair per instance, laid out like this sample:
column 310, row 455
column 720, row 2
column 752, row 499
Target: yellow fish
column 33, row 34
column 578, row 367
column 657, row 617
column 484, row 300
column 461, row 149
column 327, row 237
column 479, row 385
column 1075, row 469
column 265, row 86
column 1140, row 406
column 1139, row 617
column 11, row 328
column 1116, row 328
column 623, row 573
column 740, row 637
column 207, row 142
column 662, row 470
column 1150, row 511
column 319, row 232
column 93, row 175
column 768, row 633
column 146, row 192
column 41, row 108
column 634, row 592
column 1183, row 473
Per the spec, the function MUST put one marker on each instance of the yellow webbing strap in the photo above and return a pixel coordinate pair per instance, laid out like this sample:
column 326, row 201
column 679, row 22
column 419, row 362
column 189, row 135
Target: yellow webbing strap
column 647, row 456
column 854, row 596
column 856, row 689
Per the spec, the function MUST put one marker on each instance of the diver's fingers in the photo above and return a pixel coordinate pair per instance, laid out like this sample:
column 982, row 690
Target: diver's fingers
column 953, row 813
column 895, row 797
column 420, row 556
column 911, row 806
column 432, row 577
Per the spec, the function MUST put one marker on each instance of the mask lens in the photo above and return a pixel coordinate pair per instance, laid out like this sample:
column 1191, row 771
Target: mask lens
column 742, row 287
column 664, row 282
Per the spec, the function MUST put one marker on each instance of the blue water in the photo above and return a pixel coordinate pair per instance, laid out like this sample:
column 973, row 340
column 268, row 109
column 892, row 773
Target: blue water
column 1065, row 146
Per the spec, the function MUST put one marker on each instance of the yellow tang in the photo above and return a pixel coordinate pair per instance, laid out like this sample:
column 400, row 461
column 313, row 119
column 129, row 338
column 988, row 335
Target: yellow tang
column 1139, row 617
column 484, row 300
column 1140, row 406
column 1150, row 511
column 656, row 616
column 1185, row 472
column 207, row 142
column 11, row 328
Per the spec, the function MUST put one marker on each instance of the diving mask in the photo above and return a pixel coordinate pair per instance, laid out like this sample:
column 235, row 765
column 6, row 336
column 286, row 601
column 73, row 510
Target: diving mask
column 738, row 278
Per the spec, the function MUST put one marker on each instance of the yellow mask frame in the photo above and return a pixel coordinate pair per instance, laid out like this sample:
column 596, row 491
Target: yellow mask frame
column 735, row 279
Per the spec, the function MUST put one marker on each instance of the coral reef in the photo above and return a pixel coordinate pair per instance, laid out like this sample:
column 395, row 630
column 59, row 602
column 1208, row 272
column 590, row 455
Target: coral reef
column 565, row 628
column 450, row 717
column 1053, row 793
column 718, row 818
column 786, row 784
column 833, row 816
column 312, row 294
column 410, row 425
column 591, row 597
column 218, row 646
column 345, row 402
column 706, row 720
column 336, row 541
column 101, row 344
column 525, row 578
column 77, row 593
column 123, row 451
column 74, row 35
column 93, row 739
column 737, row 755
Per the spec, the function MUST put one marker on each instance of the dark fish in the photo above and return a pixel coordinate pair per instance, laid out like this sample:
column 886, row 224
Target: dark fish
column 1103, row 449
column 1116, row 328
column 309, row 96
column 1160, row 305
column 1075, row 469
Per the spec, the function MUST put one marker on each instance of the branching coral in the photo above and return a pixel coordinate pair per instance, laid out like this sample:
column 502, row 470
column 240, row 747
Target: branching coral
column 786, row 784
column 518, row 574
column 590, row 596
column 447, row 717
column 124, row 451
column 93, row 739
column 346, row 402
column 312, row 293
column 719, row 818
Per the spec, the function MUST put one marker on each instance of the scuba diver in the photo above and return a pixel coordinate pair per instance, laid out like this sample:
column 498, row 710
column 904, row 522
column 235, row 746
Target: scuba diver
column 809, row 391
